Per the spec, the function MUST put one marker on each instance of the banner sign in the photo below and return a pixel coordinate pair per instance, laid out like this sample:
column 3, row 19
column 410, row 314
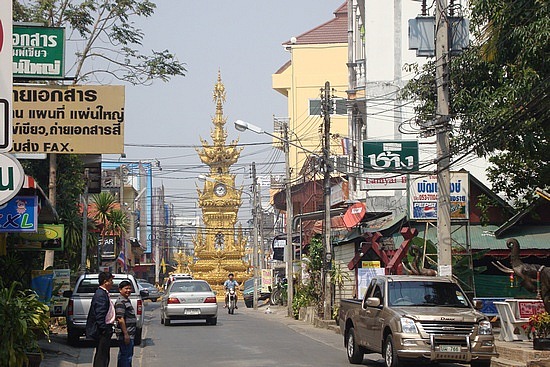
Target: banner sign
column 423, row 197
column 383, row 181
column 108, row 248
column 6, row 76
column 68, row 119
column 38, row 52
column 20, row 214
column 47, row 237
column 267, row 280
column 61, row 283
column 390, row 156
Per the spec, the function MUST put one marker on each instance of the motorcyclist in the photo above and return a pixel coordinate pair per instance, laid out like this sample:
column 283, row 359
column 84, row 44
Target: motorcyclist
column 228, row 284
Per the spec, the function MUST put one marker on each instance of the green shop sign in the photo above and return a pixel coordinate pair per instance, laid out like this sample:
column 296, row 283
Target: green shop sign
column 38, row 52
column 390, row 156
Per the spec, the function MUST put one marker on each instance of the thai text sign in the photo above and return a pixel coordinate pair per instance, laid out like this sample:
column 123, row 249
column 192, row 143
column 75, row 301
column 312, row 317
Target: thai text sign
column 20, row 214
column 38, row 52
column 390, row 156
column 423, row 197
column 47, row 237
column 6, row 77
column 68, row 119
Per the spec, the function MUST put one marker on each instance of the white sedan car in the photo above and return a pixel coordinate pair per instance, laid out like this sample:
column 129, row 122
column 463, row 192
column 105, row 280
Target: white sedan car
column 189, row 300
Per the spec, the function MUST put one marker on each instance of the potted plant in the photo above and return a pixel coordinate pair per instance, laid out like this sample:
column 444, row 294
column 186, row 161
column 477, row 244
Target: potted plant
column 538, row 328
column 23, row 320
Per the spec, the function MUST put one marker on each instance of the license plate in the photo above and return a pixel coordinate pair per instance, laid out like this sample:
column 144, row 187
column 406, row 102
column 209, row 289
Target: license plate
column 192, row 311
column 449, row 348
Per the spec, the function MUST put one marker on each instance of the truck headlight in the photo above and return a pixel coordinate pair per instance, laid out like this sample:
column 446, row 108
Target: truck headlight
column 408, row 326
column 485, row 328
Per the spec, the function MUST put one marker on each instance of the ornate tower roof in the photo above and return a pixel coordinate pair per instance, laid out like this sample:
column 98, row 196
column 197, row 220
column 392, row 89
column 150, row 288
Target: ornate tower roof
column 219, row 155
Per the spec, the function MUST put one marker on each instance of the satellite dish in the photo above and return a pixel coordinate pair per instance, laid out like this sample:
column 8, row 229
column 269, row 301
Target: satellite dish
column 354, row 214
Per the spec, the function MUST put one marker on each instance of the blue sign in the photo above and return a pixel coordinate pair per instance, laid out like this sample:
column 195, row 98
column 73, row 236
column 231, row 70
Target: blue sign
column 20, row 214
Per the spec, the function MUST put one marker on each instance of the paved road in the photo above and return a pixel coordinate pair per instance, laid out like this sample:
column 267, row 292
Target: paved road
column 248, row 338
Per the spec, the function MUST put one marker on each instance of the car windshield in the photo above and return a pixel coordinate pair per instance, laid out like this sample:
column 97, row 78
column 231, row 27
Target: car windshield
column 190, row 286
column 423, row 293
column 146, row 285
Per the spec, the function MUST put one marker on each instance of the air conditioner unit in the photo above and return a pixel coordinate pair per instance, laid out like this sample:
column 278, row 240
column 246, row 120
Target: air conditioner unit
column 340, row 164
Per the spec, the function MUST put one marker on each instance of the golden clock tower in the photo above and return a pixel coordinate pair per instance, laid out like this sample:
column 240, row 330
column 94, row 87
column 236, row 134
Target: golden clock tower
column 219, row 249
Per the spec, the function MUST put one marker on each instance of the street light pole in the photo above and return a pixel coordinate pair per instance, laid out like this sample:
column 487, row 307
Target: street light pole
column 255, row 234
column 289, row 253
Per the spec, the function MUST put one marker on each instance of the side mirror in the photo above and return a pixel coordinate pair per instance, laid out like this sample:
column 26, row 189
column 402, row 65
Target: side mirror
column 478, row 304
column 373, row 302
column 144, row 292
column 67, row 294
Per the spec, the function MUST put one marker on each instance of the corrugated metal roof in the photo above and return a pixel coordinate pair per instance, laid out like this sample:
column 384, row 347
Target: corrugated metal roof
column 483, row 237
column 333, row 31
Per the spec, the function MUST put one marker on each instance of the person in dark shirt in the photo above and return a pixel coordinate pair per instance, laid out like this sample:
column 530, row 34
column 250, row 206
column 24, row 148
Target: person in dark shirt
column 101, row 319
column 126, row 324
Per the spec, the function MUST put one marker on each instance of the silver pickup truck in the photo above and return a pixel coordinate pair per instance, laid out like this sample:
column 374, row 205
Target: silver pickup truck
column 416, row 318
column 81, row 298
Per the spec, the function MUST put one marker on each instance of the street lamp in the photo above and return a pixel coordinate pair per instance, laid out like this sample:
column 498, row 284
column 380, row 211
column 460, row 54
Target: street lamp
column 255, row 261
column 289, row 253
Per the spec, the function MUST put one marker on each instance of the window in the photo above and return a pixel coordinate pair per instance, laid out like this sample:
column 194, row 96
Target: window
column 338, row 108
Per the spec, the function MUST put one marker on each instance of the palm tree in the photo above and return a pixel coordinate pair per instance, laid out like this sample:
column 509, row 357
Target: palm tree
column 119, row 224
column 103, row 205
column 73, row 238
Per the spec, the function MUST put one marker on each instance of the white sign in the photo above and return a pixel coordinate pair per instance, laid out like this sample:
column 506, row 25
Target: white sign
column 423, row 197
column 383, row 181
column 12, row 177
column 6, row 75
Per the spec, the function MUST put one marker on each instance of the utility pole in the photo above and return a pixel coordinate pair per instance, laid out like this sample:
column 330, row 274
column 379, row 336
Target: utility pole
column 84, row 223
column 52, row 193
column 255, row 234
column 327, row 109
column 289, row 253
column 444, row 251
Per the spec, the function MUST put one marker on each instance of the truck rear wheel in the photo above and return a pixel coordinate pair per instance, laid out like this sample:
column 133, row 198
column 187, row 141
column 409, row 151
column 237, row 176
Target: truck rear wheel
column 137, row 338
column 354, row 351
column 391, row 359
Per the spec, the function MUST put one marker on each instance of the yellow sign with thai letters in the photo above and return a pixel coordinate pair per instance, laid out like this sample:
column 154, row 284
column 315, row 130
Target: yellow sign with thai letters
column 70, row 119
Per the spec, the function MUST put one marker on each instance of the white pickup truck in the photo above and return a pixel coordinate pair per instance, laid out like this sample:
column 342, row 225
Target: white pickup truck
column 81, row 298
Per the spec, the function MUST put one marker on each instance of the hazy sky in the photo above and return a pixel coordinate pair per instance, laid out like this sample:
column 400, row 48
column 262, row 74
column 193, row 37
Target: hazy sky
column 242, row 39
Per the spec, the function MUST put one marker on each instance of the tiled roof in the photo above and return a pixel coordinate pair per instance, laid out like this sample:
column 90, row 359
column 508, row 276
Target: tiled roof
column 333, row 31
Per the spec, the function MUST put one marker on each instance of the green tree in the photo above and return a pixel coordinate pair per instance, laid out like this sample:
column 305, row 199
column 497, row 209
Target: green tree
column 107, row 37
column 500, row 94
column 119, row 224
column 103, row 204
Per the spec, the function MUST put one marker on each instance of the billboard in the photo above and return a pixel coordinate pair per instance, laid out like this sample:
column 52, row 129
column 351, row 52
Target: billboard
column 390, row 156
column 68, row 119
column 38, row 52
column 6, row 77
column 47, row 237
column 423, row 197
column 20, row 214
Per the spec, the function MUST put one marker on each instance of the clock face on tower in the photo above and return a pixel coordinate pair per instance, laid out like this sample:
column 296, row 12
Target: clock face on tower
column 220, row 189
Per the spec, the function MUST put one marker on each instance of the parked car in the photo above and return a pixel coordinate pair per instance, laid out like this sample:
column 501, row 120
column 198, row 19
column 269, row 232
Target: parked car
column 248, row 292
column 81, row 297
column 420, row 318
column 152, row 292
column 189, row 300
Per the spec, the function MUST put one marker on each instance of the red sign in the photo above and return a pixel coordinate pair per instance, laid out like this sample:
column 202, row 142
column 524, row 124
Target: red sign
column 530, row 308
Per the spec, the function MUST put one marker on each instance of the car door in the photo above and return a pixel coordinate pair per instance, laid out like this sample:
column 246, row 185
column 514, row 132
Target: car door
column 373, row 318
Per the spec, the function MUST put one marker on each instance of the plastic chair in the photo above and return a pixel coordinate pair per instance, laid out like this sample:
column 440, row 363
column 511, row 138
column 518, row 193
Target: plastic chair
column 510, row 327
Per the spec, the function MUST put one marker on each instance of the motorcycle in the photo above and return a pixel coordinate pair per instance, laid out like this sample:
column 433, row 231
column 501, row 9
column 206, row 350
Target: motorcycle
column 231, row 301
column 279, row 294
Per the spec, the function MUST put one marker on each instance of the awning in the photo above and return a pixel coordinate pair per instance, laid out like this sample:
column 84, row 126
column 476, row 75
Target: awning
column 386, row 225
column 46, row 212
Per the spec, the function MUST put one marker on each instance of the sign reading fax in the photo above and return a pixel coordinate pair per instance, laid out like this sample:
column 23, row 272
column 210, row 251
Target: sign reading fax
column 38, row 52
column 390, row 156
